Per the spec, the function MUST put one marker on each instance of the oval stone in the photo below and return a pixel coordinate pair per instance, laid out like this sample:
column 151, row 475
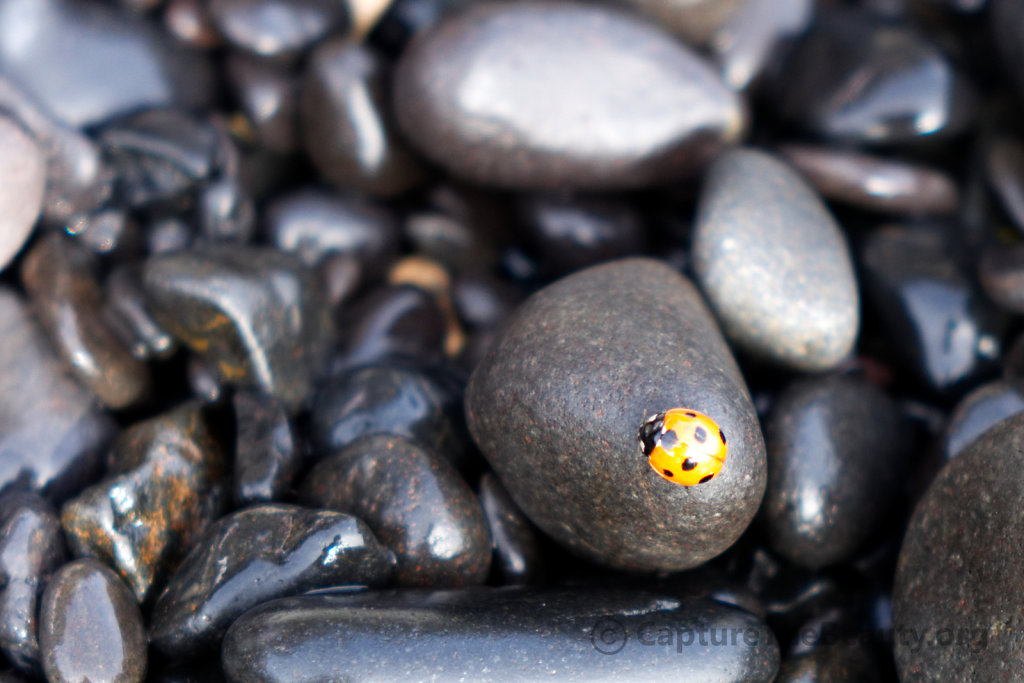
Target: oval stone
column 557, row 402
column 487, row 634
column 774, row 263
column 956, row 601
column 542, row 94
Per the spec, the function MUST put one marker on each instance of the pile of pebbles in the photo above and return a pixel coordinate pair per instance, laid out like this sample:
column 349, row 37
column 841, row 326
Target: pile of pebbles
column 329, row 327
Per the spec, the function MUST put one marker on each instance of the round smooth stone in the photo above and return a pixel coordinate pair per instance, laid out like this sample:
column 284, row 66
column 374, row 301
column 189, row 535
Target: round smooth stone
column 557, row 403
column 542, row 94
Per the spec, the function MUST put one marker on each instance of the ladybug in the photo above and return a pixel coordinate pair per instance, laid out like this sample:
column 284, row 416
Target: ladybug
column 683, row 446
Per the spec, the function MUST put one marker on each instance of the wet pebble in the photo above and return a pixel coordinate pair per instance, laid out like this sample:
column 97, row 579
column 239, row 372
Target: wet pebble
column 315, row 223
column 554, row 634
column 933, row 315
column 256, row 555
column 979, row 411
column 51, row 431
column 557, row 403
column 266, row 93
column 275, row 28
column 69, row 304
column 22, row 181
column 255, row 314
column 774, row 264
column 267, row 451
column 347, row 121
column 63, row 53
column 751, row 41
column 541, row 95
column 31, row 549
column 392, row 323
column 415, row 503
column 162, row 490
column 838, row 448
column 91, row 629
column 954, row 601
column 126, row 303
column 872, row 182
column 517, row 555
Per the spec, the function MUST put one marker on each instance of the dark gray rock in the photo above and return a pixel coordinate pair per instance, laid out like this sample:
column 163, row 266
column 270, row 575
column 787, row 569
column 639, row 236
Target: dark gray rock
column 696, row 21
column 163, row 489
column 845, row 663
column 31, row 549
column 266, row 92
column 392, row 324
column 63, row 54
column 348, row 125
column 498, row 635
column 872, row 182
column 68, row 302
column 750, row 42
column 838, row 449
column 22, row 181
column 90, row 627
column 980, row 411
column 51, row 430
column 276, row 28
column 126, row 304
column 267, row 452
column 557, row 403
column 517, row 555
column 1001, row 274
column 256, row 555
column 956, row 611
column 254, row 313
column 1004, row 164
column 541, row 94
column 414, row 502
column 774, row 264
column 1007, row 17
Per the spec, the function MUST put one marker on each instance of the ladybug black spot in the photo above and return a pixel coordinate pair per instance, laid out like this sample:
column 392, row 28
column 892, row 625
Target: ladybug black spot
column 690, row 413
column 700, row 434
column 721, row 435
column 706, row 479
column 668, row 473
column 669, row 440
column 689, row 464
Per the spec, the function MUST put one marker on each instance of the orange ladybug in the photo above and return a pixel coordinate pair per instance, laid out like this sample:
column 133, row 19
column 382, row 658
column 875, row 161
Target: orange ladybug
column 683, row 446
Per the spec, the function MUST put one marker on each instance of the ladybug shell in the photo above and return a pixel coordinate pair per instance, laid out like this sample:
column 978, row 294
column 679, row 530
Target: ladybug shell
column 683, row 446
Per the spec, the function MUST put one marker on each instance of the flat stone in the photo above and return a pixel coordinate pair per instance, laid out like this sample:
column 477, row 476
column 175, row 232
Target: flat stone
column 774, row 264
column 91, row 628
column 415, row 503
column 63, row 53
column 254, row 313
column 541, row 94
column 31, row 549
column 22, row 181
column 348, row 125
column 557, row 403
column 954, row 599
column 256, row 555
column 68, row 301
column 838, row 449
column 51, row 430
column 872, row 182
column 560, row 634
column 163, row 489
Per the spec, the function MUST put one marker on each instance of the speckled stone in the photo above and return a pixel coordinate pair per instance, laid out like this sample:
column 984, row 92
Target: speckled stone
column 51, row 430
column 542, row 94
column 956, row 606
column 22, row 181
column 256, row 555
column 774, row 264
column 517, row 555
column 505, row 634
column 838, row 448
column 31, row 549
column 414, row 502
column 979, row 411
column 347, row 121
column 254, row 313
column 67, row 300
column 873, row 182
column 91, row 628
column 163, row 489
column 557, row 402
column 268, row 453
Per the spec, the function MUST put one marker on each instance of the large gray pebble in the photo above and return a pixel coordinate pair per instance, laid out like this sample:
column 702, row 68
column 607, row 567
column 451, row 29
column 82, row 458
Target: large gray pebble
column 774, row 263
column 556, row 405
